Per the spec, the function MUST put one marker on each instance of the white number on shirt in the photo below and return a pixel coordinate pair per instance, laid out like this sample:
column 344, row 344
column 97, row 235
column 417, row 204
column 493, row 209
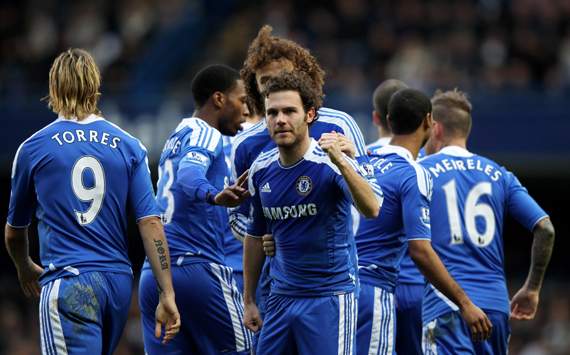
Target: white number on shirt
column 93, row 194
column 167, row 169
column 472, row 210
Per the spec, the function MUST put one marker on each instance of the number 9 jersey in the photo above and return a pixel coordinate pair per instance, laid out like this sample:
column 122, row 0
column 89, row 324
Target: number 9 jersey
column 471, row 197
column 79, row 177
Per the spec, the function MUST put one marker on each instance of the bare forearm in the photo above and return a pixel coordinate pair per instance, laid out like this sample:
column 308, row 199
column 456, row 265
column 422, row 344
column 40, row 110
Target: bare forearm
column 253, row 258
column 435, row 272
column 156, row 249
column 16, row 240
column 364, row 198
column 542, row 246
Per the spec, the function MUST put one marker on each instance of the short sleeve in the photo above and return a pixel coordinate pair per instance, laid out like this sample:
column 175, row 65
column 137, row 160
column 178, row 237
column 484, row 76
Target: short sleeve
column 520, row 205
column 22, row 197
column 197, row 157
column 258, row 225
column 141, row 193
column 415, row 207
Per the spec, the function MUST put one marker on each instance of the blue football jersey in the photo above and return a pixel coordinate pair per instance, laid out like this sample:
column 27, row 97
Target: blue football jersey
column 193, row 226
column 306, row 207
column 471, row 197
column 382, row 242
column 79, row 177
column 233, row 248
column 255, row 140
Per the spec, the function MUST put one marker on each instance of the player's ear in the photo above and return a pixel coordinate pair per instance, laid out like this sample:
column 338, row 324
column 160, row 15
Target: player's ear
column 311, row 114
column 218, row 99
column 376, row 118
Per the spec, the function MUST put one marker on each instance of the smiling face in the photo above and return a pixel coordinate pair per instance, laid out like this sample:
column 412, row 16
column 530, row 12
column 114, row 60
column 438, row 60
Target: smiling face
column 232, row 115
column 287, row 121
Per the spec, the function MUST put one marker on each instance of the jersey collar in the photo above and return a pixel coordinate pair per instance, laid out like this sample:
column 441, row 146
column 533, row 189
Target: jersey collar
column 396, row 149
column 456, row 151
column 88, row 119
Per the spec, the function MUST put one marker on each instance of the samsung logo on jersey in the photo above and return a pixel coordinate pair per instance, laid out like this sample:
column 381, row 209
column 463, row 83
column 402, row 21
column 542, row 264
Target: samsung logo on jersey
column 295, row 211
column 469, row 164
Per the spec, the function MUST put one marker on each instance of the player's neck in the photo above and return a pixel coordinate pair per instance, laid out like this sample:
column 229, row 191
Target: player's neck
column 207, row 114
column 290, row 155
column 384, row 133
column 411, row 142
column 458, row 142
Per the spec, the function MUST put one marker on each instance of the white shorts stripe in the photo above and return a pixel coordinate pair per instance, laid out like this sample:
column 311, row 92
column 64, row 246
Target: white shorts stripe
column 43, row 323
column 58, row 338
column 429, row 345
column 48, row 330
column 238, row 301
column 376, row 319
column 354, row 321
column 341, row 324
column 234, row 314
column 390, row 335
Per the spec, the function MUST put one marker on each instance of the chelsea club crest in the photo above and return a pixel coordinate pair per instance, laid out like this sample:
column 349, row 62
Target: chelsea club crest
column 304, row 185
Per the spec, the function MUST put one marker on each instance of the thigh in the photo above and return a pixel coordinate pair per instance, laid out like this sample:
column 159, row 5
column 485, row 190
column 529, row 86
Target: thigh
column 376, row 321
column 409, row 319
column 119, row 291
column 276, row 336
column 148, row 300
column 71, row 315
column 498, row 343
column 326, row 325
column 447, row 334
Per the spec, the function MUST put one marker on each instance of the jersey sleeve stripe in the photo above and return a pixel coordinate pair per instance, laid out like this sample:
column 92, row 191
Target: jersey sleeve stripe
column 354, row 130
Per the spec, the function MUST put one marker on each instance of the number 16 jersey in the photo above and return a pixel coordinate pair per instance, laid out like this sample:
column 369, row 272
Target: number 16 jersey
column 471, row 197
column 79, row 177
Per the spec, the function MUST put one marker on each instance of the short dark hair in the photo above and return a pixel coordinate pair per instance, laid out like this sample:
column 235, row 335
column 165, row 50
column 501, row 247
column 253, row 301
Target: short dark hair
column 310, row 93
column 453, row 110
column 407, row 110
column 215, row 77
column 381, row 98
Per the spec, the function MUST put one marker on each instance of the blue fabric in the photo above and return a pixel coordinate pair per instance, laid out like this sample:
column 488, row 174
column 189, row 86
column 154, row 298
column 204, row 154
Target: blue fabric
column 306, row 207
column 192, row 167
column 79, row 178
column 449, row 334
column 211, row 308
column 85, row 314
column 404, row 216
column 409, row 318
column 376, row 331
column 472, row 197
column 298, row 325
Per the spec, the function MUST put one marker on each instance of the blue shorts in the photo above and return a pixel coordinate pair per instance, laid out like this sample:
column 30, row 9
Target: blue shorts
column 309, row 325
column 238, row 278
column 376, row 317
column 409, row 318
column 211, row 310
column 84, row 314
column 449, row 334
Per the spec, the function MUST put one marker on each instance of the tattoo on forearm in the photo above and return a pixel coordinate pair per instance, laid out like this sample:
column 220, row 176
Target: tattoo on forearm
column 161, row 251
column 541, row 251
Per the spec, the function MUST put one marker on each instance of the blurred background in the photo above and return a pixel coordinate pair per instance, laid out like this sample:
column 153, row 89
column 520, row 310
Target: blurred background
column 512, row 57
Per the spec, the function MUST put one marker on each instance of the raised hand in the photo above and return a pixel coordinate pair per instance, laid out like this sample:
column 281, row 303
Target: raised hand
column 235, row 194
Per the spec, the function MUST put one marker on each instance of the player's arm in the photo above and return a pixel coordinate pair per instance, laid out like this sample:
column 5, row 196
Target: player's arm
column 16, row 240
column 435, row 272
column 365, row 198
column 415, row 196
column 253, row 259
column 22, row 202
column 141, row 199
column 192, row 178
column 523, row 208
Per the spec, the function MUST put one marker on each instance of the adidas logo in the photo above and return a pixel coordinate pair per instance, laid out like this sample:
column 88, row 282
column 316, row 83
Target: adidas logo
column 266, row 188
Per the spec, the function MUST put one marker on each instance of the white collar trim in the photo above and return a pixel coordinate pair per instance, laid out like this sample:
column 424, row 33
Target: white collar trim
column 396, row 149
column 86, row 120
column 456, row 151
